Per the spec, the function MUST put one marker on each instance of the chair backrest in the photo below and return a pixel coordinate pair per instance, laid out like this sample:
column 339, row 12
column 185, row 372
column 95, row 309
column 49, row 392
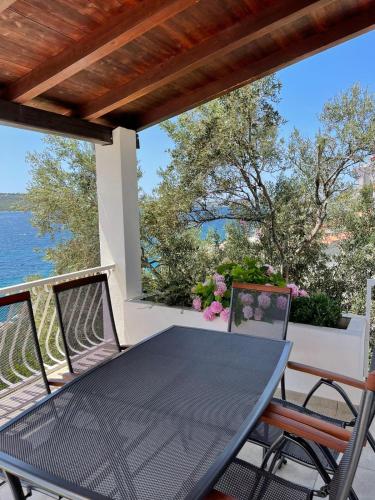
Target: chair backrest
column 259, row 310
column 343, row 477
column 86, row 321
column 22, row 376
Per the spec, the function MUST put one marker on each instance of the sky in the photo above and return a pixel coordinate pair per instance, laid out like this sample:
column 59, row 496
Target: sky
column 307, row 85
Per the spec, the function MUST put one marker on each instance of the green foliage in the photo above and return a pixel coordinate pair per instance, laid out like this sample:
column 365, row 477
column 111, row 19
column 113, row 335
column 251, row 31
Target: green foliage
column 62, row 197
column 251, row 271
column 174, row 257
column 318, row 309
column 228, row 162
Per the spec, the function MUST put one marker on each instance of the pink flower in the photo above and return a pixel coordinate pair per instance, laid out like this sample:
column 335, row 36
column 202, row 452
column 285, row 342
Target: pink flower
column 303, row 293
column 258, row 314
column 264, row 300
column 294, row 288
column 218, row 278
column 216, row 307
column 224, row 315
column 270, row 270
column 246, row 298
column 221, row 288
column 281, row 302
column 247, row 312
column 208, row 314
column 197, row 304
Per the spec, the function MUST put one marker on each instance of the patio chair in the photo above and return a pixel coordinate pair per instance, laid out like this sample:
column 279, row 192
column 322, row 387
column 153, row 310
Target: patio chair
column 86, row 322
column 23, row 379
column 273, row 323
column 242, row 480
column 260, row 310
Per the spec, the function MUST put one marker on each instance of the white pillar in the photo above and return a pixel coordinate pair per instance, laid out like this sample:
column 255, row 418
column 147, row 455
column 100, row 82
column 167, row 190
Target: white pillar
column 116, row 170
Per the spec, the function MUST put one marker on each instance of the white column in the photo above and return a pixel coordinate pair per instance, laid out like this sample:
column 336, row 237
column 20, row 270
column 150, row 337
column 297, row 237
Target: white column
column 116, row 170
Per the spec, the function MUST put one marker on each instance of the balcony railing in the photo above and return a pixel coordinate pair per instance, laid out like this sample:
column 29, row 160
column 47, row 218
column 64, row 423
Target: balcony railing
column 45, row 318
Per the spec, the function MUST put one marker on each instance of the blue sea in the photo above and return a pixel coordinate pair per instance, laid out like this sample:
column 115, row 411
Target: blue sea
column 22, row 249
column 19, row 242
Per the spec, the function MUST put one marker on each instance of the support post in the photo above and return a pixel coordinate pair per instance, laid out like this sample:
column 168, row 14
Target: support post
column 117, row 186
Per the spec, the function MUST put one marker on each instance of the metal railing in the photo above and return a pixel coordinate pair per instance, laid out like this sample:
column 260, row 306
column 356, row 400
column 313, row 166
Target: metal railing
column 45, row 312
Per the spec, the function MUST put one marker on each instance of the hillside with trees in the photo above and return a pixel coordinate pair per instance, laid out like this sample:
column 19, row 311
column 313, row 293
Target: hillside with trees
column 12, row 201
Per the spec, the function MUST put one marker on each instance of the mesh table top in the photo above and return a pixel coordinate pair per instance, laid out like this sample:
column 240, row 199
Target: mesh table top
column 159, row 421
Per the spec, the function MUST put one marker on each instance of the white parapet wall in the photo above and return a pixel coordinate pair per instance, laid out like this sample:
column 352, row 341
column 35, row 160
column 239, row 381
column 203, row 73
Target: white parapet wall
column 333, row 349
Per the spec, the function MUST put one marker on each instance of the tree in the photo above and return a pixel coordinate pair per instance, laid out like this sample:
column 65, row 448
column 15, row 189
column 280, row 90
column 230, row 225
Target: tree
column 174, row 257
column 62, row 198
column 230, row 163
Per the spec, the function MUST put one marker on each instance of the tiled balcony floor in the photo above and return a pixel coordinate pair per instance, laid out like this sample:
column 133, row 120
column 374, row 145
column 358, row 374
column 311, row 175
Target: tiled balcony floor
column 364, row 483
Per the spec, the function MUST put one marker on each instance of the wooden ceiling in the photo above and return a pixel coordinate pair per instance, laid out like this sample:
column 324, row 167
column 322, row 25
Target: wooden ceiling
column 135, row 63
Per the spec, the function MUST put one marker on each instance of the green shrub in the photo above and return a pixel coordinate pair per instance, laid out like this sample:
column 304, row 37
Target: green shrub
column 318, row 309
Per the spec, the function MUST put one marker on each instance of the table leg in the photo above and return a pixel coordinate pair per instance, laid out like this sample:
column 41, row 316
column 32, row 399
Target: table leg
column 15, row 486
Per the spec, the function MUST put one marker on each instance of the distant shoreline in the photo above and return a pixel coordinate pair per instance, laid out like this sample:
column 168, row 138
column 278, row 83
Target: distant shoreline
column 12, row 202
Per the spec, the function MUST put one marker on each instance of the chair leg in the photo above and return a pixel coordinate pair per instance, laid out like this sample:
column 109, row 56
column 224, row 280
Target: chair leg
column 371, row 440
column 345, row 397
column 314, row 457
column 274, row 461
column 353, row 495
column 275, row 446
column 329, row 457
column 15, row 486
column 312, row 392
column 337, row 388
column 283, row 389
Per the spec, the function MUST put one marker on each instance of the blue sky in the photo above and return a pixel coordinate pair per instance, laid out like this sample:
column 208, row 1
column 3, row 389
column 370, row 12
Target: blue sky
column 306, row 86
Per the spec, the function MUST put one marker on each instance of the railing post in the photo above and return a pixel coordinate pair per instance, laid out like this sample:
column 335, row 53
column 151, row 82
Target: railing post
column 116, row 170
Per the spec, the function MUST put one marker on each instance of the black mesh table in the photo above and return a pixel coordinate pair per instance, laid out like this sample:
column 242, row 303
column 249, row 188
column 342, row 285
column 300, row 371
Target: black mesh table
column 159, row 421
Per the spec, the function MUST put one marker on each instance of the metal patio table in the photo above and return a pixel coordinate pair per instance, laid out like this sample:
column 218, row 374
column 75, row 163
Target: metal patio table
column 159, row 421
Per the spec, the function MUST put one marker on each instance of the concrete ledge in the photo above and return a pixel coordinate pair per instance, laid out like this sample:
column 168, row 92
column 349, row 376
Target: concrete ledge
column 333, row 349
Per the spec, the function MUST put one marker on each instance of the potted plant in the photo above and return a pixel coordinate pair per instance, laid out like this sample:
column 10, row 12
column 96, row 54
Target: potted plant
column 212, row 296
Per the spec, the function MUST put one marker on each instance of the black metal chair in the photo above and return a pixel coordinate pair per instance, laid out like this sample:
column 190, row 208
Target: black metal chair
column 242, row 480
column 259, row 310
column 23, row 379
column 86, row 322
column 22, row 376
column 271, row 322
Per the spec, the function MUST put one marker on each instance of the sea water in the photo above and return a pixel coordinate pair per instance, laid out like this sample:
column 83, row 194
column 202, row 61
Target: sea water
column 22, row 249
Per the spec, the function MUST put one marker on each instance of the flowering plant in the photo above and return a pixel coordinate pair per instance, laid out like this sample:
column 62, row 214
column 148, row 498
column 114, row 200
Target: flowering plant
column 213, row 295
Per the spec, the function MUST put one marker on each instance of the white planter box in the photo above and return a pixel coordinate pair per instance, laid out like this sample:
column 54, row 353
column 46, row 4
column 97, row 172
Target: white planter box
column 342, row 351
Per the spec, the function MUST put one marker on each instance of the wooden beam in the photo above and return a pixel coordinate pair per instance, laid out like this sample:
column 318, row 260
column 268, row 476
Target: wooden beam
column 216, row 46
column 18, row 115
column 121, row 30
column 4, row 4
column 344, row 30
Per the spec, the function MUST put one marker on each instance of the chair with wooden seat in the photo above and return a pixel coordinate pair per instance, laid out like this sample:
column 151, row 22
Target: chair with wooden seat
column 86, row 322
column 271, row 320
column 242, row 480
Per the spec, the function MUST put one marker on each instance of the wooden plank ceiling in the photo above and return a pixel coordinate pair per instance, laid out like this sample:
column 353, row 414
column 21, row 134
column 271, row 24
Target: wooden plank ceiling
column 137, row 62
